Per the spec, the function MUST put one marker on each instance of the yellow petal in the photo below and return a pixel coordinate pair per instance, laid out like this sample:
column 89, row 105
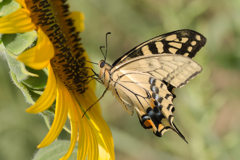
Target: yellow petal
column 78, row 18
column 74, row 128
column 28, row 58
column 87, row 143
column 38, row 56
column 92, row 140
column 101, row 128
column 22, row 2
column 104, row 134
column 103, row 154
column 45, row 49
column 82, row 124
column 61, row 111
column 48, row 96
column 16, row 22
column 89, row 97
column 82, row 142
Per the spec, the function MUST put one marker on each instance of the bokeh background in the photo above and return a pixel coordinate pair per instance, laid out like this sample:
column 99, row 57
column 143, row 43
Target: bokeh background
column 207, row 108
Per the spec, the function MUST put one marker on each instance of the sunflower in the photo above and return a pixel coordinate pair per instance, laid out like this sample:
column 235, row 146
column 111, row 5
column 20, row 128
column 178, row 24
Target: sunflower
column 69, row 89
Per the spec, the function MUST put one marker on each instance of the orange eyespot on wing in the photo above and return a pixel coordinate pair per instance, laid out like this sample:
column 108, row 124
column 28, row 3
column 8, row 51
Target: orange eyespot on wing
column 148, row 123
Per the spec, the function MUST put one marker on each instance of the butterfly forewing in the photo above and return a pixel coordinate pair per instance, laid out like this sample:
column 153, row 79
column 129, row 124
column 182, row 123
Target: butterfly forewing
column 184, row 42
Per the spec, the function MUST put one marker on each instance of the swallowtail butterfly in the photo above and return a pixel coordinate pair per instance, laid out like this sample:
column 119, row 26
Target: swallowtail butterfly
column 144, row 78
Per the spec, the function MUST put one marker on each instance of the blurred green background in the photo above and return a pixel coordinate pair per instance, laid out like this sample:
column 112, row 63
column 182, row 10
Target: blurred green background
column 207, row 108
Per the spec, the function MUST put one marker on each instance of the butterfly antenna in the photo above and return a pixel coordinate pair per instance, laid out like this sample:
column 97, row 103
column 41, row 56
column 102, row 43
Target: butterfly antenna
column 106, row 45
column 102, row 52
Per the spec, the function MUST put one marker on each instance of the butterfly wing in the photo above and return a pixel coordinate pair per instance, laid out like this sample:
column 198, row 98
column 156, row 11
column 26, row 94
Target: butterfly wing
column 184, row 42
column 142, row 80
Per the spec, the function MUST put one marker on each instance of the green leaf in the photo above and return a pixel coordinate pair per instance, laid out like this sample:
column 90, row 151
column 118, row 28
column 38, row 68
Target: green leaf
column 36, row 82
column 23, row 88
column 15, row 66
column 8, row 6
column 14, row 44
column 17, row 43
column 55, row 150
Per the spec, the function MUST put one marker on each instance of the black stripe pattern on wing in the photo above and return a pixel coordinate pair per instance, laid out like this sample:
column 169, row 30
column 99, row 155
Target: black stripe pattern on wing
column 159, row 116
column 156, row 114
column 185, row 42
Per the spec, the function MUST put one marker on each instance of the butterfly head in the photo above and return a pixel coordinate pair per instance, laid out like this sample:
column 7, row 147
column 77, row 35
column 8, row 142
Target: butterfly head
column 102, row 64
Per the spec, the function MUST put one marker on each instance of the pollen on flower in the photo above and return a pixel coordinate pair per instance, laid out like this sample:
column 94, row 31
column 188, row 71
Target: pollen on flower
column 53, row 17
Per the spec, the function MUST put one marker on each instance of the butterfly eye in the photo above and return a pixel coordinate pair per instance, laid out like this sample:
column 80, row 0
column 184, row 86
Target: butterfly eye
column 102, row 64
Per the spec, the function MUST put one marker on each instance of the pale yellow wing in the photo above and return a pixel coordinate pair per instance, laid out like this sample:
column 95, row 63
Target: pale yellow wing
column 125, row 100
